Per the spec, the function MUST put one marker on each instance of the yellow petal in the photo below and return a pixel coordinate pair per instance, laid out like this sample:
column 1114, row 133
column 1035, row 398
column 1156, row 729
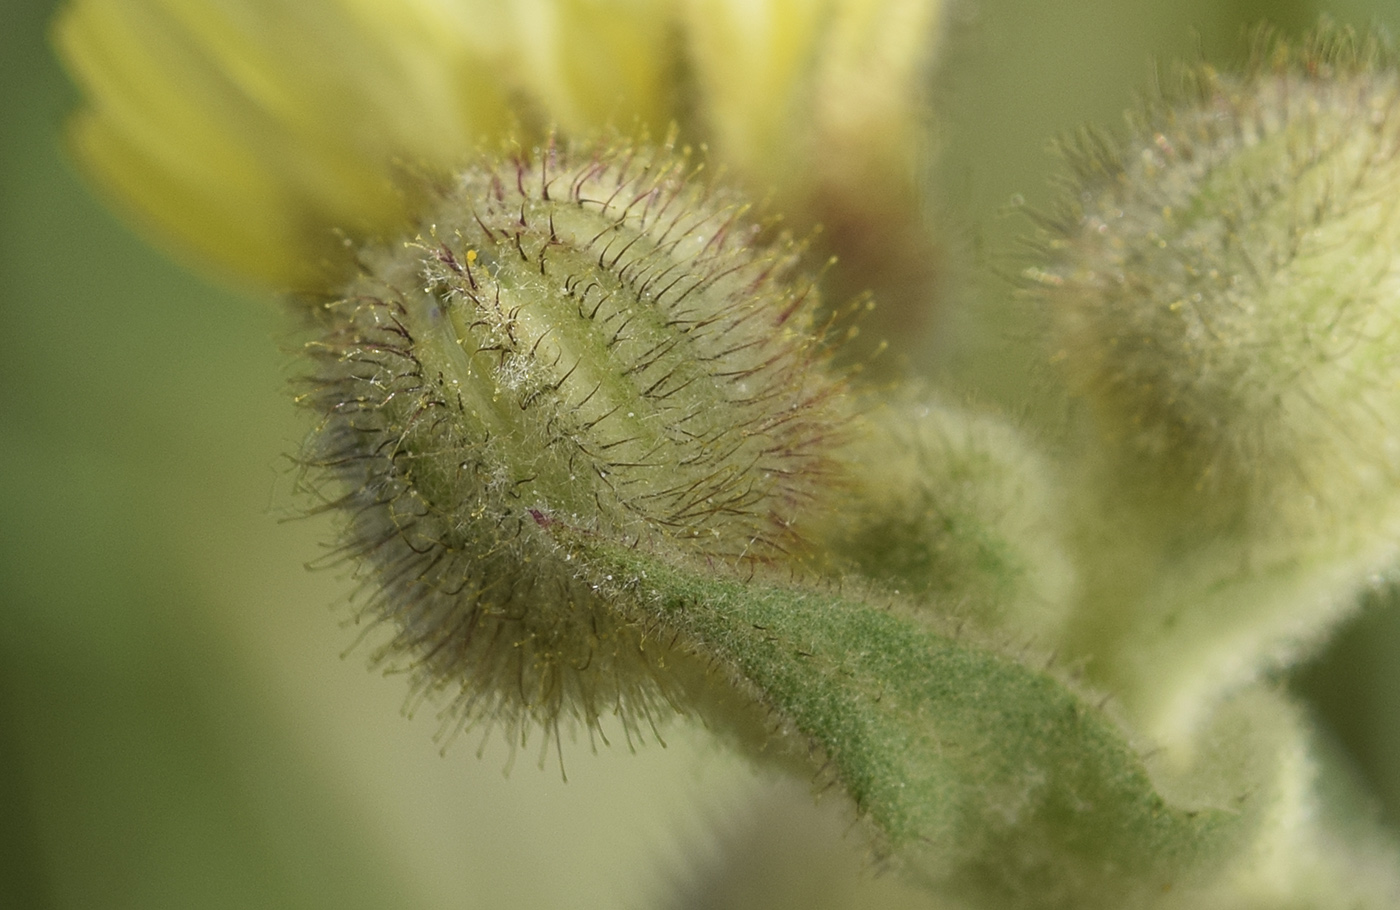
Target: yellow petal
column 874, row 73
column 754, row 64
column 248, row 132
column 792, row 85
column 597, row 63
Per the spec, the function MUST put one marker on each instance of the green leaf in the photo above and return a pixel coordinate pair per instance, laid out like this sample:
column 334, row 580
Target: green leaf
column 992, row 780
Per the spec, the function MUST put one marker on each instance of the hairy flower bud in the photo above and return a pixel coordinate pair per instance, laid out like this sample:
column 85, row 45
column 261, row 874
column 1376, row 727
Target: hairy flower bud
column 1224, row 287
column 579, row 344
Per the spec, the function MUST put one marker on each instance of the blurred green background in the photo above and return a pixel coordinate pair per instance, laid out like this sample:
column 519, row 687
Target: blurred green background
column 177, row 725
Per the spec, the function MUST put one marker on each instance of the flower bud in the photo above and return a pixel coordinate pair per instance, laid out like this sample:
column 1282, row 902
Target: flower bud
column 954, row 510
column 580, row 345
column 1224, row 286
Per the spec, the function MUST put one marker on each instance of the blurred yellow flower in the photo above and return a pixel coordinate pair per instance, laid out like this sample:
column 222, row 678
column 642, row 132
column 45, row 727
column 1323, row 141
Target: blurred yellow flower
column 256, row 134
column 816, row 86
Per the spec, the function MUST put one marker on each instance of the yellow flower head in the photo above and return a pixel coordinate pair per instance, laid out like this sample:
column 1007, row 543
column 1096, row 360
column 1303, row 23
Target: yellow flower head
column 258, row 134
